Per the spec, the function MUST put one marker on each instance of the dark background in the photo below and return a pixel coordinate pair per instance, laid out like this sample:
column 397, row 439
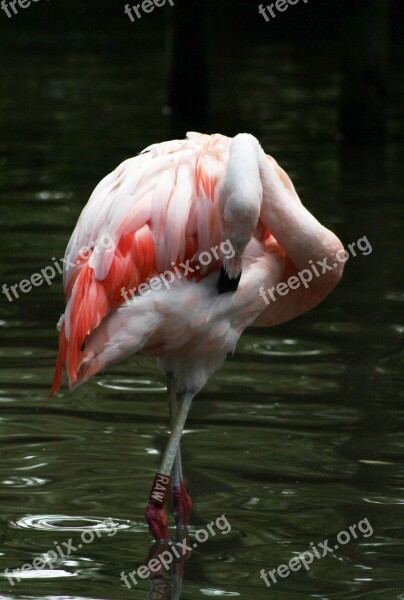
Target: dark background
column 299, row 435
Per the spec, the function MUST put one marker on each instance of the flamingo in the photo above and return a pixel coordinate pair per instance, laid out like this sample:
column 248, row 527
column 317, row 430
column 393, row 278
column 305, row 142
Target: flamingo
column 161, row 211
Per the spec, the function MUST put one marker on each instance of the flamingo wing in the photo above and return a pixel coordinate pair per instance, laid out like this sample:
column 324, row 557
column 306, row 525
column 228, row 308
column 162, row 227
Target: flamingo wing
column 154, row 211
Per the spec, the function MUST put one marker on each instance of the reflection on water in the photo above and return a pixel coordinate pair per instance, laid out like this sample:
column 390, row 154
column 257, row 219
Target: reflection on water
column 297, row 438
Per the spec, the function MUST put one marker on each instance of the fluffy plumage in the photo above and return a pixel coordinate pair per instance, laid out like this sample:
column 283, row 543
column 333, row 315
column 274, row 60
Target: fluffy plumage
column 163, row 208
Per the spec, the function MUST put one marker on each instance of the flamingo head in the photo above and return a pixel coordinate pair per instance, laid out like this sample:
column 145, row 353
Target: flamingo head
column 238, row 226
column 240, row 205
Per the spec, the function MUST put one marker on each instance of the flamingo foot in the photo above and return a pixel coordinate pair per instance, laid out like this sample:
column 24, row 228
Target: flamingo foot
column 157, row 521
column 182, row 505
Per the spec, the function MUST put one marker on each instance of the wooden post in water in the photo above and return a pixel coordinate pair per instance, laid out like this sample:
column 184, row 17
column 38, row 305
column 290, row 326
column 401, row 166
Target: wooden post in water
column 364, row 71
column 187, row 87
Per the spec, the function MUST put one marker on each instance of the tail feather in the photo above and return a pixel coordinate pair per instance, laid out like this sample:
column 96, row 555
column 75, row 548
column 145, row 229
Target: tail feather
column 90, row 300
column 88, row 306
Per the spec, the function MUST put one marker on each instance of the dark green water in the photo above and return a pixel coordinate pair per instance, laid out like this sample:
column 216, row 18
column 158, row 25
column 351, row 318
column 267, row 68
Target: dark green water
column 297, row 438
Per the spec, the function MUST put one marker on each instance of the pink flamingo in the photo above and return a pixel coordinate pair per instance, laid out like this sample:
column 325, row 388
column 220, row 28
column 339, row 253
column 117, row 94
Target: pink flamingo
column 160, row 213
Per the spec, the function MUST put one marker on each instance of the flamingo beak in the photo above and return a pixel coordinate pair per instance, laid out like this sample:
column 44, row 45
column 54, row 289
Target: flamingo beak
column 230, row 274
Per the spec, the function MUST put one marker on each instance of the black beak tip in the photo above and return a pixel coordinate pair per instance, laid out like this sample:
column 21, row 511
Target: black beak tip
column 225, row 284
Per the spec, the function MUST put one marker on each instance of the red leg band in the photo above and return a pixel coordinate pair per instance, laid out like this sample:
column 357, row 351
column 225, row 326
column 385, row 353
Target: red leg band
column 160, row 489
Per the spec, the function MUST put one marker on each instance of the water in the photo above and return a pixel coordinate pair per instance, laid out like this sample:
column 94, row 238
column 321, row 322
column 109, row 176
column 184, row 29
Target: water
column 297, row 438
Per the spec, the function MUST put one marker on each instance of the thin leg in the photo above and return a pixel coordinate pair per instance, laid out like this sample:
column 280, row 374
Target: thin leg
column 182, row 502
column 175, row 436
column 155, row 515
column 172, row 400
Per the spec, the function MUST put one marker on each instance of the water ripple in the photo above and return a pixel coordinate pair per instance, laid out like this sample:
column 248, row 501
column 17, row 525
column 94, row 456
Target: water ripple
column 67, row 523
column 132, row 385
column 290, row 348
column 22, row 482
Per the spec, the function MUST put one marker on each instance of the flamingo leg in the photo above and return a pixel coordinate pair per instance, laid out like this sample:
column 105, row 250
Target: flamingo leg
column 155, row 515
column 182, row 502
column 172, row 401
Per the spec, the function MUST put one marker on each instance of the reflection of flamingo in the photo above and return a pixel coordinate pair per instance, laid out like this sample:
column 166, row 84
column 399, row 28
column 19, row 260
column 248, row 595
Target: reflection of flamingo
column 174, row 560
column 162, row 210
